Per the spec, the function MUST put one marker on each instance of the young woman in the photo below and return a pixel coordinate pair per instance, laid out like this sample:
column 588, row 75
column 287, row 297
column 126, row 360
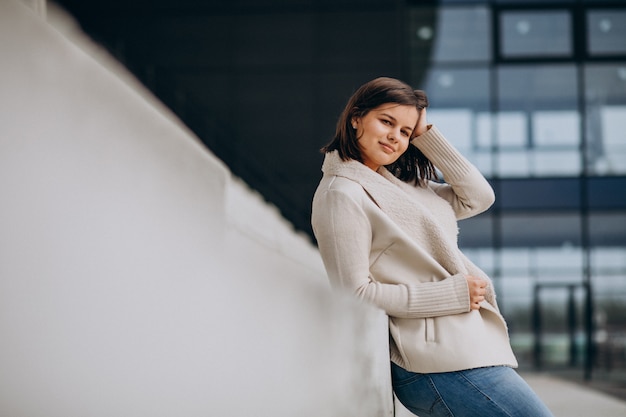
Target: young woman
column 387, row 232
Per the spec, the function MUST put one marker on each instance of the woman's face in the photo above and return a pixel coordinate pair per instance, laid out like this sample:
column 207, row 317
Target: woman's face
column 383, row 134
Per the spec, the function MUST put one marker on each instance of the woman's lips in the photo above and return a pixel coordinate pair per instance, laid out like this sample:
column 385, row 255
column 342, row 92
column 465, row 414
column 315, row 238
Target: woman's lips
column 387, row 148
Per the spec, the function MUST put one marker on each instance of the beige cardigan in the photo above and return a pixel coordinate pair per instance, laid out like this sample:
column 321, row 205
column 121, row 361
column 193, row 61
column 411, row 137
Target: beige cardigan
column 395, row 245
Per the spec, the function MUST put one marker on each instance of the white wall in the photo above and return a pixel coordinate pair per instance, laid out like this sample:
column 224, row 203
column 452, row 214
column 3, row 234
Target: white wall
column 137, row 278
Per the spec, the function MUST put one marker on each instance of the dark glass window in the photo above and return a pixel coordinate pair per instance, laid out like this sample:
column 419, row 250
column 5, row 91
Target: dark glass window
column 536, row 229
column 535, row 34
column 454, row 87
column 606, row 32
column 608, row 229
column 450, row 34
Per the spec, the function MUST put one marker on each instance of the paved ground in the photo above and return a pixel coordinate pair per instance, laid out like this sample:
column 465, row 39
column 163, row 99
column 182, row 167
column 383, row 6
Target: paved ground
column 571, row 399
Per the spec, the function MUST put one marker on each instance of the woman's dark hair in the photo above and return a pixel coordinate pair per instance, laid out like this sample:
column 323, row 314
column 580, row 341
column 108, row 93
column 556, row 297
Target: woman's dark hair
column 412, row 166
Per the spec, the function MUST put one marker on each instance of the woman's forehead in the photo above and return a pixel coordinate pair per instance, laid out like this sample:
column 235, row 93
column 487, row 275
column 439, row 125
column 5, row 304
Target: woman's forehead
column 398, row 111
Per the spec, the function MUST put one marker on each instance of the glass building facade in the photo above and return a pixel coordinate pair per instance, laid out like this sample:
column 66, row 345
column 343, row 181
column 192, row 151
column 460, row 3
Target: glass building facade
column 534, row 93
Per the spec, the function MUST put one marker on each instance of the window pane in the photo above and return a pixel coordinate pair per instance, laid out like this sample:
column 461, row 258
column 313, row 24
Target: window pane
column 476, row 232
column 608, row 269
column 606, row 31
column 451, row 33
column 525, row 34
column 556, row 139
column 483, row 257
column 515, row 261
column 484, row 128
column 608, row 229
column 537, row 194
column 513, row 164
column 564, row 264
column 456, row 124
column 547, row 87
column 606, row 260
column 605, row 95
column 459, row 127
column 556, row 229
column 456, row 98
column 565, row 257
column 454, row 88
column 511, row 131
column 556, row 128
column 613, row 119
column 546, row 163
column 539, row 115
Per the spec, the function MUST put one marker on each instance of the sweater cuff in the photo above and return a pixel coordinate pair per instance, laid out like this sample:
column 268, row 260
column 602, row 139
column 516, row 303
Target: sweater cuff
column 441, row 298
column 442, row 154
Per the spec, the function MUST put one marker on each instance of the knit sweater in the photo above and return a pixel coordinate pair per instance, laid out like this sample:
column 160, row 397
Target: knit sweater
column 394, row 244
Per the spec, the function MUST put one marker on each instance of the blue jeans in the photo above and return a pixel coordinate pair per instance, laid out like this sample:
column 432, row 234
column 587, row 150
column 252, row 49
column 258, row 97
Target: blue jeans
column 496, row 391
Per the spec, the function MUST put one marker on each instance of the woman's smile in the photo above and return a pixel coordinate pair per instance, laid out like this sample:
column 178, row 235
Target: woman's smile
column 387, row 148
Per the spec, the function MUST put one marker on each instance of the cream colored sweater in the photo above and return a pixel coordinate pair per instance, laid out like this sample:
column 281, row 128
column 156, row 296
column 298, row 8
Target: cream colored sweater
column 395, row 245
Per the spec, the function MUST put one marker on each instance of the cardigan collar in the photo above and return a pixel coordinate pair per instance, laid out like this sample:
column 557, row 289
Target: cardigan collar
column 394, row 197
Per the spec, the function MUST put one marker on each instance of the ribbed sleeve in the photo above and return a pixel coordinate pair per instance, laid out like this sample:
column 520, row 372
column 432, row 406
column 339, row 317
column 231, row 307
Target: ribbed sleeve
column 433, row 299
column 467, row 191
column 443, row 155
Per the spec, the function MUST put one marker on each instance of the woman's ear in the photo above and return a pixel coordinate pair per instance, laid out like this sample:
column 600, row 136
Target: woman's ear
column 354, row 122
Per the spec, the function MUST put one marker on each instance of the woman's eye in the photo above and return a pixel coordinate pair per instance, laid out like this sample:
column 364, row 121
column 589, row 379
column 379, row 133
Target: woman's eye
column 387, row 122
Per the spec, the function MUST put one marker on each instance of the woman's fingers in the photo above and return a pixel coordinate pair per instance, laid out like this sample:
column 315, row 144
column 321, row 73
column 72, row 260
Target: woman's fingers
column 477, row 289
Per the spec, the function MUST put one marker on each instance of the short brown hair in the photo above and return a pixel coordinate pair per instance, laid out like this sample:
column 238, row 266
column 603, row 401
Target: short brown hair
column 412, row 166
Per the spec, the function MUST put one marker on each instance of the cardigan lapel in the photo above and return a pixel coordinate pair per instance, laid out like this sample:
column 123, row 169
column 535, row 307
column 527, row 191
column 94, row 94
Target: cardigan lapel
column 403, row 208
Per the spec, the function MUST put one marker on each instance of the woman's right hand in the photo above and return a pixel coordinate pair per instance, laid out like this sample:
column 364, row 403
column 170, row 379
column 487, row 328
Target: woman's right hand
column 477, row 290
